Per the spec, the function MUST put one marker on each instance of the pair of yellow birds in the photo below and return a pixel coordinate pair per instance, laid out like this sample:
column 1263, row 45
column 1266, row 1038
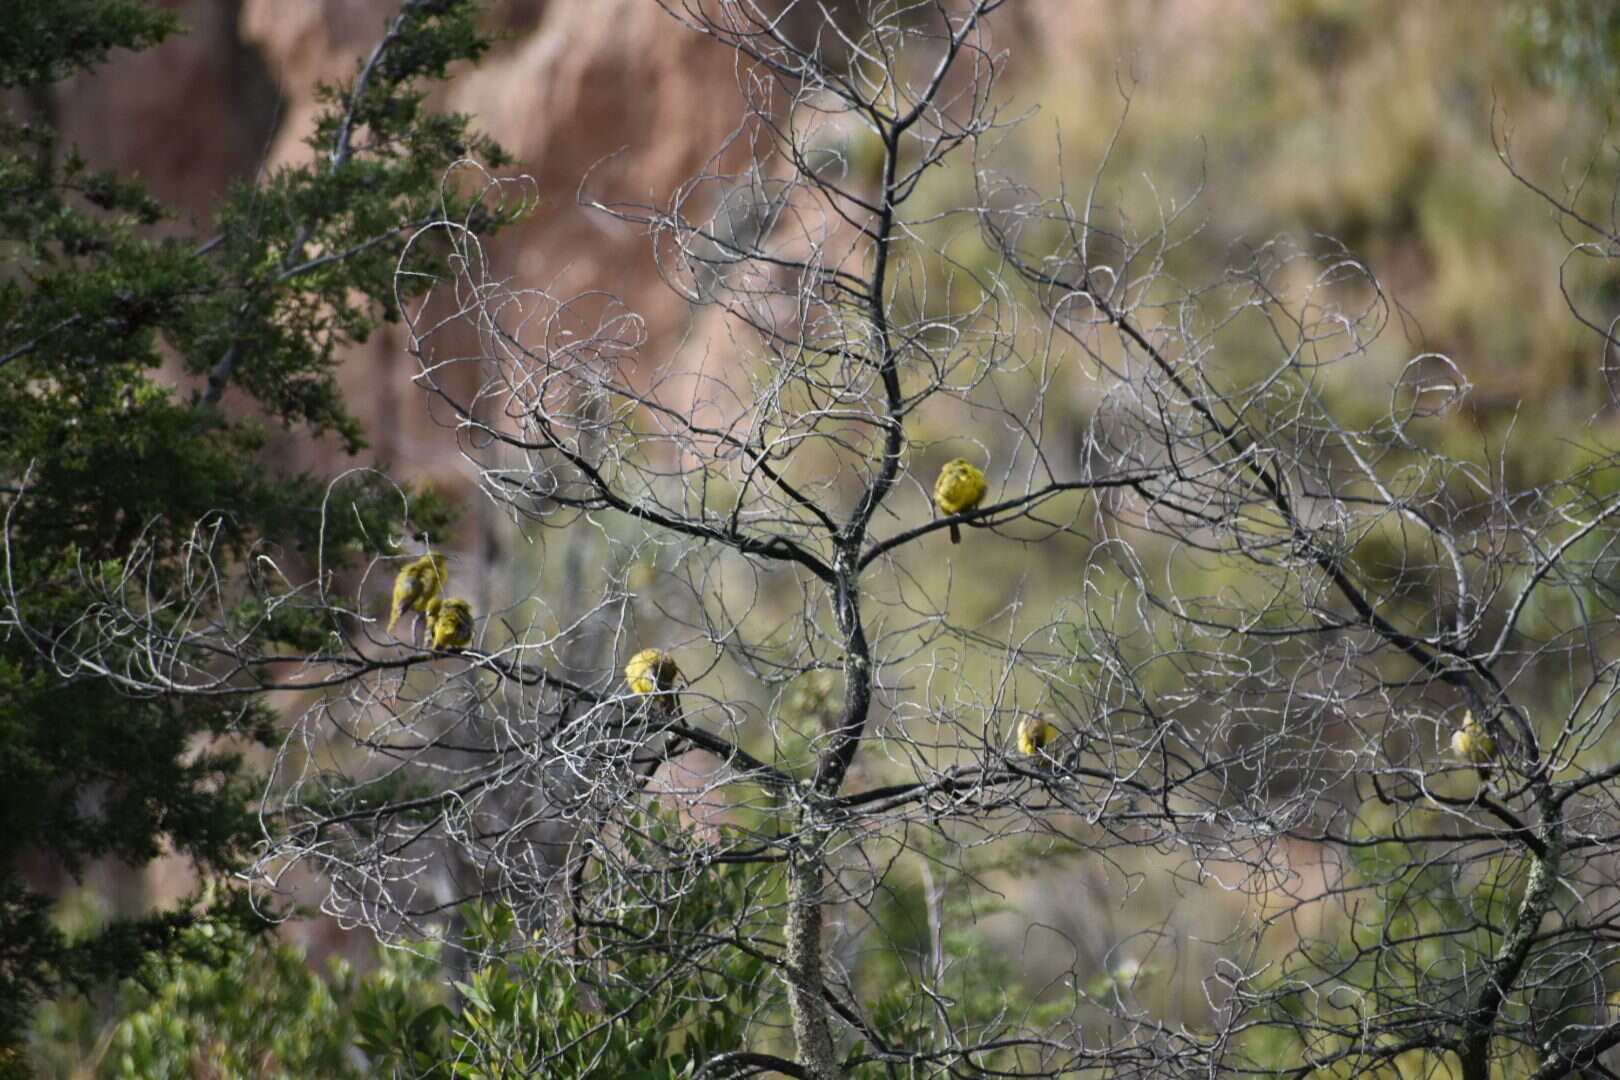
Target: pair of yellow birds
column 959, row 488
column 654, row 673
column 1470, row 741
column 417, row 588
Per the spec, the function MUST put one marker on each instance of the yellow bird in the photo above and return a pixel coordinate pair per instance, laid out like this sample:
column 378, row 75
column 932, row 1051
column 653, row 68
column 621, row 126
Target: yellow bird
column 451, row 623
column 652, row 671
column 1034, row 732
column 960, row 487
column 1473, row 742
column 416, row 584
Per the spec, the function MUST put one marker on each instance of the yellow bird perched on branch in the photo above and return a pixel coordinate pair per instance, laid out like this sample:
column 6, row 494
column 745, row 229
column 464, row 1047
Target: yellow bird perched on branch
column 960, row 487
column 652, row 671
column 450, row 622
column 1474, row 742
column 1034, row 732
column 418, row 583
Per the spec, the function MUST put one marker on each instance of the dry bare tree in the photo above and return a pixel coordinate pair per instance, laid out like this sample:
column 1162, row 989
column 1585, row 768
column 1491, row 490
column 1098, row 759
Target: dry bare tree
column 1255, row 618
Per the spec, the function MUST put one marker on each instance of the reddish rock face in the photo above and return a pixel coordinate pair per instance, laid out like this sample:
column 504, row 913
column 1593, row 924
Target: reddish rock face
column 575, row 82
column 188, row 116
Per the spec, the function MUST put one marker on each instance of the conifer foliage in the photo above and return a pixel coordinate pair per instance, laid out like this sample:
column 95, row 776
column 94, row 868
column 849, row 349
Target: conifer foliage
column 130, row 495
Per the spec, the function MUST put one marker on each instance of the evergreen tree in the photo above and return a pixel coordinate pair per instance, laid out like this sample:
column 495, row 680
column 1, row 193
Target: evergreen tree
column 124, row 491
